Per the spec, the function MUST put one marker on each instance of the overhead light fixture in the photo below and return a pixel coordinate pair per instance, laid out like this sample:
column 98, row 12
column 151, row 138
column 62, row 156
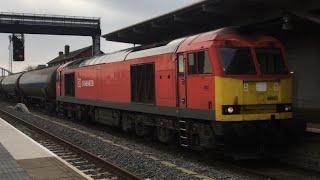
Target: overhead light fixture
column 287, row 22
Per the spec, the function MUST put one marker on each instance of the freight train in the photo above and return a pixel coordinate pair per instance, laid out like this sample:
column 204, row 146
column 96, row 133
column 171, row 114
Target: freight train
column 213, row 88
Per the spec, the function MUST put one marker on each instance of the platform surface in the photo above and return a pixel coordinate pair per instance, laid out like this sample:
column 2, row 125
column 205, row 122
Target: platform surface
column 23, row 158
column 9, row 167
column 313, row 127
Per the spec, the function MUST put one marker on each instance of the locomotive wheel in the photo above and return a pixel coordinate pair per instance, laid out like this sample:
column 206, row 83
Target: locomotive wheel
column 71, row 115
column 126, row 123
column 164, row 135
column 65, row 113
column 85, row 118
column 91, row 114
column 140, row 129
column 78, row 115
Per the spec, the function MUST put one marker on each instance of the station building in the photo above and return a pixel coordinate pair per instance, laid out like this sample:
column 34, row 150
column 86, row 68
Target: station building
column 67, row 55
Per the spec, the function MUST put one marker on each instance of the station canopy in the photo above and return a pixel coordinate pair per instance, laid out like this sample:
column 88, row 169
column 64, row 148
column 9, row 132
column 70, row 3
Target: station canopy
column 212, row 14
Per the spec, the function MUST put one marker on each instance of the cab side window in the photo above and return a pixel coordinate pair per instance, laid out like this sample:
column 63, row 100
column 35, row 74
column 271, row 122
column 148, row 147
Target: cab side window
column 181, row 64
column 199, row 63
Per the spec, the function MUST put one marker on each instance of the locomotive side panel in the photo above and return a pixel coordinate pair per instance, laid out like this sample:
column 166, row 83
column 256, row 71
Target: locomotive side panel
column 111, row 82
column 166, row 80
column 115, row 82
column 87, row 83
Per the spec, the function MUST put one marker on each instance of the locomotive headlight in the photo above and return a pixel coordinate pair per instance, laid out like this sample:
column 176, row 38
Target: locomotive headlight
column 230, row 110
column 284, row 108
column 287, row 108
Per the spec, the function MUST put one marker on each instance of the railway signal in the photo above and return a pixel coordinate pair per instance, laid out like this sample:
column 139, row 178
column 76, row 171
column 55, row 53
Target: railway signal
column 18, row 47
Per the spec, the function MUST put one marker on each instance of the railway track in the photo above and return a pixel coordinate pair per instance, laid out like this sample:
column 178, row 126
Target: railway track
column 88, row 163
column 273, row 171
column 264, row 171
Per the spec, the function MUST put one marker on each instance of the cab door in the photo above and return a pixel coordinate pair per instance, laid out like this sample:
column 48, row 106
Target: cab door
column 200, row 87
column 182, row 84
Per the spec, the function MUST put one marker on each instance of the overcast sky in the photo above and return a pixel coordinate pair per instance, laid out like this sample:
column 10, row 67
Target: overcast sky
column 115, row 14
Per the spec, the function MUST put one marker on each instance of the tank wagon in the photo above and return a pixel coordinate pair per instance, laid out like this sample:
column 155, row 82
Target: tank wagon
column 10, row 85
column 219, row 87
column 39, row 86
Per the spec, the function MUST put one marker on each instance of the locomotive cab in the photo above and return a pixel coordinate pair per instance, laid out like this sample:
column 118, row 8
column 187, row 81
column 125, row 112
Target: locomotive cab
column 253, row 90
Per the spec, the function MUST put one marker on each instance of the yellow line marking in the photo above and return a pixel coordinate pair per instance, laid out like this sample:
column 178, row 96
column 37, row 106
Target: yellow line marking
column 165, row 163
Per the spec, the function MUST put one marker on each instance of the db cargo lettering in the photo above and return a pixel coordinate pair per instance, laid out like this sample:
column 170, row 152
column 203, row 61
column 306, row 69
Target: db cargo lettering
column 85, row 83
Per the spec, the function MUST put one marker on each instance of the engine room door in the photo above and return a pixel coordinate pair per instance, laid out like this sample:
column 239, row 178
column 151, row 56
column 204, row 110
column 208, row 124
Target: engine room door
column 181, row 74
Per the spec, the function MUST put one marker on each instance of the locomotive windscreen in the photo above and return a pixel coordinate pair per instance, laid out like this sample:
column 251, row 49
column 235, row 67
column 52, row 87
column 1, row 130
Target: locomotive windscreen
column 237, row 61
column 143, row 83
column 271, row 61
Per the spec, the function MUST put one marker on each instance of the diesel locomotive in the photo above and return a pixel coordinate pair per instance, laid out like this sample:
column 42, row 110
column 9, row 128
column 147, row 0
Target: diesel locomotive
column 213, row 88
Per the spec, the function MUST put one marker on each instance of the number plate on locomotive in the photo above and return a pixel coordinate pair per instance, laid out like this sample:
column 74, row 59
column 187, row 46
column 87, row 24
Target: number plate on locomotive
column 261, row 86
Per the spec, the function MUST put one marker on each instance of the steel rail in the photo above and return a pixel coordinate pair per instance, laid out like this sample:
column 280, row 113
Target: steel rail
column 105, row 164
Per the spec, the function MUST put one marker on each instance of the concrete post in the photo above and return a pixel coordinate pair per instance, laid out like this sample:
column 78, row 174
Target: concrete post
column 96, row 45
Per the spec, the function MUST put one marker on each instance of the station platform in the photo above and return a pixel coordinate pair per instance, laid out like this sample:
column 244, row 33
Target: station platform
column 23, row 158
column 313, row 127
column 311, row 116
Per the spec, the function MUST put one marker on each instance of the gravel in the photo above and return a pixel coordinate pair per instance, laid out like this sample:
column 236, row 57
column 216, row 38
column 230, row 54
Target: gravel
column 142, row 156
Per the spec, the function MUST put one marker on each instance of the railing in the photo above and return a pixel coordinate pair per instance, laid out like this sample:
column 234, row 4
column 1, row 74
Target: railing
column 4, row 72
column 51, row 20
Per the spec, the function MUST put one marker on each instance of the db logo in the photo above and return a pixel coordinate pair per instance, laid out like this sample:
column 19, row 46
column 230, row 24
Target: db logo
column 84, row 83
column 79, row 83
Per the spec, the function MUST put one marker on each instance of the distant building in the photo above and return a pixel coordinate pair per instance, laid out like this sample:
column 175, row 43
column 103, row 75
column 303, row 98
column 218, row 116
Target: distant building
column 68, row 56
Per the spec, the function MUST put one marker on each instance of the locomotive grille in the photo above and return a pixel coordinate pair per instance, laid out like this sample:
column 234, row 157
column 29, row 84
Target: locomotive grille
column 258, row 109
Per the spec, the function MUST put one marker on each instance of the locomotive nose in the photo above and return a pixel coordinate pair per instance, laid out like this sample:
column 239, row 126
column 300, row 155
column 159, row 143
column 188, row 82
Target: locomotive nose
column 249, row 100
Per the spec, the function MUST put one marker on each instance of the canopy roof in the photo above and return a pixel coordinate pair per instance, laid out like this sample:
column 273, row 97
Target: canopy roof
column 213, row 14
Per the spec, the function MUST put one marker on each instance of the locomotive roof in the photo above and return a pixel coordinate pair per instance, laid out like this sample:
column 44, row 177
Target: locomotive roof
column 131, row 53
column 152, row 50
